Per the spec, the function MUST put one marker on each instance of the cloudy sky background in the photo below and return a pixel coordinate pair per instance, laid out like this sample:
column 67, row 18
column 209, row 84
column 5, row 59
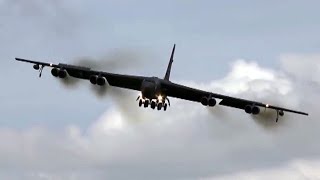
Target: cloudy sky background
column 267, row 51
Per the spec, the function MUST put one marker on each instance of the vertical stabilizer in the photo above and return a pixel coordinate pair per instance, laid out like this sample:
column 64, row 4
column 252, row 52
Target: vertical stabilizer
column 167, row 76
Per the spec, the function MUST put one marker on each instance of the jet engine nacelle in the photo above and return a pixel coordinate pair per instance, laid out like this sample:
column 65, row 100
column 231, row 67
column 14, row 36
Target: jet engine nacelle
column 36, row 67
column 252, row 109
column 208, row 102
column 255, row 110
column 212, row 102
column 55, row 72
column 204, row 101
column 99, row 80
column 248, row 109
column 93, row 79
column 62, row 74
column 59, row 73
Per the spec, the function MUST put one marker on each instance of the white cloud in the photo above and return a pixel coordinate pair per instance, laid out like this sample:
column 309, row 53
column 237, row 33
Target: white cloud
column 302, row 66
column 187, row 142
column 249, row 76
column 299, row 169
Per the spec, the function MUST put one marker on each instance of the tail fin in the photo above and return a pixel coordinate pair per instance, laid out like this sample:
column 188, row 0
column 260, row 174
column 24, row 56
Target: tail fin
column 167, row 76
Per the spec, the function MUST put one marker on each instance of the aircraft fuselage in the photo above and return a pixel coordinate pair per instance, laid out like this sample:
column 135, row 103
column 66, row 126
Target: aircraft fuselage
column 151, row 88
column 152, row 93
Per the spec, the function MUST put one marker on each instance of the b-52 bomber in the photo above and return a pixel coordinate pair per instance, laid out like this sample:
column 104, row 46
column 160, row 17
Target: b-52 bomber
column 155, row 91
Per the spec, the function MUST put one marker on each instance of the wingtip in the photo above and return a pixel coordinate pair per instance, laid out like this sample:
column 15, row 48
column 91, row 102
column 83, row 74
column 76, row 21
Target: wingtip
column 17, row 58
column 303, row 113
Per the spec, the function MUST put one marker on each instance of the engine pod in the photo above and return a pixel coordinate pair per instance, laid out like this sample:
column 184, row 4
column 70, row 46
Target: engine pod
column 212, row 102
column 55, row 72
column 62, row 74
column 36, row 67
column 101, row 81
column 248, row 109
column 255, row 110
column 204, row 101
column 93, row 79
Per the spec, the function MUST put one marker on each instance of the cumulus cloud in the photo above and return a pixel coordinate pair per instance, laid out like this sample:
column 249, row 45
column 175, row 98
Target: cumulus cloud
column 187, row 142
column 305, row 67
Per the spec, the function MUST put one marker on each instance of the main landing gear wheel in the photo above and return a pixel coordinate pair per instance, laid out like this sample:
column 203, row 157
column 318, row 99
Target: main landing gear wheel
column 146, row 103
column 159, row 106
column 140, row 102
column 165, row 106
column 153, row 104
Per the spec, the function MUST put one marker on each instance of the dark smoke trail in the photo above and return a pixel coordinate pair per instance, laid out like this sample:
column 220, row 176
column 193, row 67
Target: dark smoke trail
column 267, row 117
column 120, row 59
column 113, row 62
column 127, row 104
column 69, row 82
column 100, row 91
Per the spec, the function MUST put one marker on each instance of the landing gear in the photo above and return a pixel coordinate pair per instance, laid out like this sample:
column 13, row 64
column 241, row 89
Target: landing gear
column 154, row 104
column 146, row 103
column 279, row 113
column 165, row 106
column 38, row 68
column 159, row 106
column 158, row 103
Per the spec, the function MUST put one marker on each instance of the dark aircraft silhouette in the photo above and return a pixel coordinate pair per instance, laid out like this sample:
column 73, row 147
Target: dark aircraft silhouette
column 155, row 91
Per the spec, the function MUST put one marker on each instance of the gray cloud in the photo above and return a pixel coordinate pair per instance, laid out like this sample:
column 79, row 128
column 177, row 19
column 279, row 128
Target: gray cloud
column 54, row 13
column 292, row 64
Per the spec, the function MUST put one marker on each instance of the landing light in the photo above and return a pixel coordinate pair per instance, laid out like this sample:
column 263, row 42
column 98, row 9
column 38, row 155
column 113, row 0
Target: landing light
column 160, row 98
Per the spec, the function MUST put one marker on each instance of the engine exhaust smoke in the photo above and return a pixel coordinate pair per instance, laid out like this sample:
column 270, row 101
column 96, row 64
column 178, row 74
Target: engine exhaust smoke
column 267, row 117
column 114, row 61
column 120, row 59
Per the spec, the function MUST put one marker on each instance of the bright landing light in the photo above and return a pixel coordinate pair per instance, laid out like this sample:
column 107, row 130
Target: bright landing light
column 160, row 98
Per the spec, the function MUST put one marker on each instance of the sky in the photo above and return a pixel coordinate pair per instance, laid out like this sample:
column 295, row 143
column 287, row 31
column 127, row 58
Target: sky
column 261, row 50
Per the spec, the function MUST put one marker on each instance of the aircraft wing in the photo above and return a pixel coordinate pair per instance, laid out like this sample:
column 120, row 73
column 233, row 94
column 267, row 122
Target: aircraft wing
column 170, row 89
column 118, row 80
column 191, row 94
